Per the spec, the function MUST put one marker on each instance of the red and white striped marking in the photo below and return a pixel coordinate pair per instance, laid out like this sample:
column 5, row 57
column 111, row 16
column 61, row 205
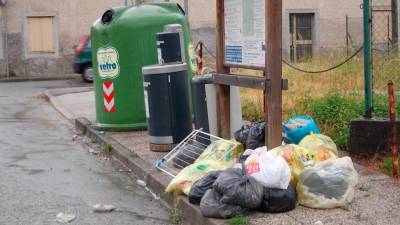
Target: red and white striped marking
column 109, row 98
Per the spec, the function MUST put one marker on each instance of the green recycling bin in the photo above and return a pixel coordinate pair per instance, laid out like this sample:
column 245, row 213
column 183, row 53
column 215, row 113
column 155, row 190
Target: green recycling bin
column 123, row 41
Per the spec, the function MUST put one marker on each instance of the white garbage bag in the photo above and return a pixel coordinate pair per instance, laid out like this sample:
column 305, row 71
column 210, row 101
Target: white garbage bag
column 270, row 170
column 328, row 184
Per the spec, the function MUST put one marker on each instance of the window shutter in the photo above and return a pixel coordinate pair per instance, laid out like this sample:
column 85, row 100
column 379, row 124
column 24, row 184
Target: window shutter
column 41, row 34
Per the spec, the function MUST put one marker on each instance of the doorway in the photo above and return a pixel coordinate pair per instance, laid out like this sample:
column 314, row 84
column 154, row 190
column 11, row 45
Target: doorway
column 301, row 36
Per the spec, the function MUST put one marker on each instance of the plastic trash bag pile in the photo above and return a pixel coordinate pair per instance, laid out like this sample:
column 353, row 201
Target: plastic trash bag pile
column 219, row 155
column 226, row 182
column 299, row 127
column 252, row 136
column 234, row 192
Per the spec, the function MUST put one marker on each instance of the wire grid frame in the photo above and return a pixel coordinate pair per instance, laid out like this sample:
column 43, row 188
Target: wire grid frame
column 385, row 45
column 187, row 151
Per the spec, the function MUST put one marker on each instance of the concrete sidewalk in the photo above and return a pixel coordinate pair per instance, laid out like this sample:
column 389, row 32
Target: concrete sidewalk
column 376, row 200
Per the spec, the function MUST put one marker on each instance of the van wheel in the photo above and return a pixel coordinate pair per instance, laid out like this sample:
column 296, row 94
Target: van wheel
column 87, row 74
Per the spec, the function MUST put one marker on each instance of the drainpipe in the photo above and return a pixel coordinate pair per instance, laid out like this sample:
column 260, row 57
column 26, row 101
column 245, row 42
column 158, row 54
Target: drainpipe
column 186, row 5
column 5, row 35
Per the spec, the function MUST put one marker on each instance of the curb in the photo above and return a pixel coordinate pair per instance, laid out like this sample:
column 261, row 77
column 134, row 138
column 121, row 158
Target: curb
column 39, row 78
column 50, row 96
column 155, row 180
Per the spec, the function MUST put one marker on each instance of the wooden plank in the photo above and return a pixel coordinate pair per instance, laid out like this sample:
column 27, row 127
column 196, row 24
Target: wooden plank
column 240, row 81
column 233, row 65
column 245, row 81
column 284, row 85
column 273, row 72
column 223, row 91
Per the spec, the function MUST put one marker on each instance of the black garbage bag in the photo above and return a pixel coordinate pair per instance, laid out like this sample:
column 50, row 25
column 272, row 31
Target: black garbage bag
column 211, row 206
column 200, row 187
column 252, row 136
column 188, row 155
column 239, row 189
column 278, row 200
column 242, row 158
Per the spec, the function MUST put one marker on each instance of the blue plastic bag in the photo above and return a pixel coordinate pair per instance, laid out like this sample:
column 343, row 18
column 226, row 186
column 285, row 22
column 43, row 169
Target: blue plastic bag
column 298, row 127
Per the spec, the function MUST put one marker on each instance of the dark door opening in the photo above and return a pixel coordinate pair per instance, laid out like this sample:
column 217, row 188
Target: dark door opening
column 301, row 36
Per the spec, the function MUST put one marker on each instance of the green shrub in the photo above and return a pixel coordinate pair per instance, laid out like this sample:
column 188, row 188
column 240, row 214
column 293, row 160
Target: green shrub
column 381, row 106
column 334, row 112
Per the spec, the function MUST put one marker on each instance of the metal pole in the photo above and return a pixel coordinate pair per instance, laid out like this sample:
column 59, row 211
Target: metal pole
column 367, row 59
column 187, row 8
column 5, row 42
column 347, row 34
column 393, row 125
column 388, row 35
column 395, row 31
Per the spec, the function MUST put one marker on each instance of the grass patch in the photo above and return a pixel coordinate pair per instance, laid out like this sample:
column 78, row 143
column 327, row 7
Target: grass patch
column 239, row 220
column 387, row 165
column 332, row 112
column 332, row 98
column 251, row 110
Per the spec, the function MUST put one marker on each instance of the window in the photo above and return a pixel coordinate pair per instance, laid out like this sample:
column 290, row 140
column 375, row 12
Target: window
column 40, row 35
column 301, row 36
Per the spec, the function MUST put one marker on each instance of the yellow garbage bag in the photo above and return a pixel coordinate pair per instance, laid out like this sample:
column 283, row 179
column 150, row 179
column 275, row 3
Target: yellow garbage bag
column 319, row 142
column 222, row 150
column 190, row 174
column 299, row 158
column 219, row 155
column 329, row 184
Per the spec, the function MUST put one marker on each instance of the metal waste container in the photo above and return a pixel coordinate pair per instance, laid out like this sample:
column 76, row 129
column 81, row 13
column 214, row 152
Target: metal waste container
column 123, row 41
column 169, row 48
column 200, row 102
column 167, row 102
column 205, row 105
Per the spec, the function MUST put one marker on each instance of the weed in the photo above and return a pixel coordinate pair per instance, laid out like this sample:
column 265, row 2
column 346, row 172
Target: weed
column 297, row 204
column 132, row 153
column 363, row 188
column 387, row 165
column 106, row 148
column 239, row 220
column 177, row 215
column 251, row 110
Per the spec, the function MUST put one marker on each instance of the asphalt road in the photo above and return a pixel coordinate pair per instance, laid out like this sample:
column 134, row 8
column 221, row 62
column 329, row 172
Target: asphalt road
column 44, row 172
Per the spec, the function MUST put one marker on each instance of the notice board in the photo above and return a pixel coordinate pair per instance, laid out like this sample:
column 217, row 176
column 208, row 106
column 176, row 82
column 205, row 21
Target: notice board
column 244, row 38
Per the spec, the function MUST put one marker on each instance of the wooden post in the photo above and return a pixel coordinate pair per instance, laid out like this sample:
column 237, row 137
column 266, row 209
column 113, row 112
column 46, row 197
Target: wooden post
column 223, row 91
column 273, row 71
column 393, row 124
